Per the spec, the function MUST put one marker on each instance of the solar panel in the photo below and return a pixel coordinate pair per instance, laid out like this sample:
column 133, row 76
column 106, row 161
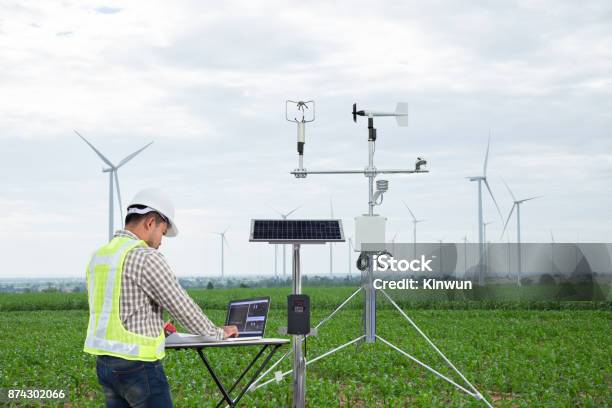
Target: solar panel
column 296, row 231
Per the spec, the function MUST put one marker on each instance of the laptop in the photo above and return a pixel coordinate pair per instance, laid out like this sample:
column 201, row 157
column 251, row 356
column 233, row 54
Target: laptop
column 249, row 315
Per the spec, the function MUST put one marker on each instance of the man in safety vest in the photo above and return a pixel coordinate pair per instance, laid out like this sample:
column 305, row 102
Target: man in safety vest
column 129, row 284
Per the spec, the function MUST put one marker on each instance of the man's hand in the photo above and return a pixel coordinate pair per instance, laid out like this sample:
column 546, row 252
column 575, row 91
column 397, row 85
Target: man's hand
column 230, row 331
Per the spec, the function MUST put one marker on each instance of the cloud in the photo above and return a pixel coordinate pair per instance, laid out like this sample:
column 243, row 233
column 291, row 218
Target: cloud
column 108, row 10
column 208, row 82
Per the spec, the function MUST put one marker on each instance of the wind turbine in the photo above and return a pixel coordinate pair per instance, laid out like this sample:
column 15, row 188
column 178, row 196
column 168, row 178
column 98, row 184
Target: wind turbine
column 517, row 204
column 480, row 180
column 112, row 173
column 223, row 243
column 414, row 226
column 284, row 217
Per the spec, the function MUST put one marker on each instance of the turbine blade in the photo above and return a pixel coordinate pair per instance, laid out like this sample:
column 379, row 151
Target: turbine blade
column 486, row 160
column 294, row 210
column 493, row 197
column 131, row 156
column 508, row 187
column 507, row 220
column 278, row 212
column 225, row 241
column 552, row 237
column 104, row 159
column 119, row 195
column 413, row 217
column 530, row 198
column 226, row 231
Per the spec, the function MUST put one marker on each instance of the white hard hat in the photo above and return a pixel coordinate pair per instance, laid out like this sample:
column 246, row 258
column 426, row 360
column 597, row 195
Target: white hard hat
column 157, row 200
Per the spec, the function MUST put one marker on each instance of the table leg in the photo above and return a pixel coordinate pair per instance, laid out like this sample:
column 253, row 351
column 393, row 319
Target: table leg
column 226, row 396
column 259, row 370
column 246, row 370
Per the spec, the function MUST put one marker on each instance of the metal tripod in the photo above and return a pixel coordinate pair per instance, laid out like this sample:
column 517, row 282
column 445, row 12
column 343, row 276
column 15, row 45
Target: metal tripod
column 299, row 377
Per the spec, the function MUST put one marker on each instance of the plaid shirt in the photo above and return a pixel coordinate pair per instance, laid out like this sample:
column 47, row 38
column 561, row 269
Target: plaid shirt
column 148, row 286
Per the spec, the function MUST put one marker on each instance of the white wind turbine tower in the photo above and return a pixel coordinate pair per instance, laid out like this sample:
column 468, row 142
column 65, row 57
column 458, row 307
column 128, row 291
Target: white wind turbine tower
column 284, row 217
column 517, row 204
column 393, row 244
column 480, row 180
column 484, row 236
column 223, row 243
column 415, row 221
column 112, row 173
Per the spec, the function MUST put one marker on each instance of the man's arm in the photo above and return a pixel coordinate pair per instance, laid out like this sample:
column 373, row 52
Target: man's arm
column 160, row 283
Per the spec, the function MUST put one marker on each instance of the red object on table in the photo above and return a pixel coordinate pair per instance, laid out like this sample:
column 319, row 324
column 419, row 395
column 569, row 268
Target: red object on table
column 169, row 328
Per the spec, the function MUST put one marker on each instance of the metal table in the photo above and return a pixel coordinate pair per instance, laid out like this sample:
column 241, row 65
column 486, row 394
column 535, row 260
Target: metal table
column 272, row 345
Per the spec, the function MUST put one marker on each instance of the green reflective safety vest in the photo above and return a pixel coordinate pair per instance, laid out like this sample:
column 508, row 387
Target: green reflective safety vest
column 105, row 332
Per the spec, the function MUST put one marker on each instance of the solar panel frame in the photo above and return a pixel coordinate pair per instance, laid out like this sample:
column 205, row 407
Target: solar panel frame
column 297, row 231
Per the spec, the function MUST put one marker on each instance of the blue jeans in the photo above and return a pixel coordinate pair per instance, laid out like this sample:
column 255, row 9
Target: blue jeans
column 138, row 384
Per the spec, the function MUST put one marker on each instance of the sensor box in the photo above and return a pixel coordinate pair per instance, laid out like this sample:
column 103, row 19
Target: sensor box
column 369, row 229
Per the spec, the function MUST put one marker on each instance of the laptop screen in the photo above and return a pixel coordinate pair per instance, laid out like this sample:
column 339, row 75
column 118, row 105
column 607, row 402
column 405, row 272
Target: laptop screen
column 249, row 315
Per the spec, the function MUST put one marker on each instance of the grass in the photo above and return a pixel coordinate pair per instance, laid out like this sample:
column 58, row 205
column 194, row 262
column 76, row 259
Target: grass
column 501, row 297
column 517, row 358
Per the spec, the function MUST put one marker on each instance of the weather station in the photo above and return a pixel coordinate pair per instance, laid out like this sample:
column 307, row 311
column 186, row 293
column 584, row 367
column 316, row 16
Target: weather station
column 369, row 229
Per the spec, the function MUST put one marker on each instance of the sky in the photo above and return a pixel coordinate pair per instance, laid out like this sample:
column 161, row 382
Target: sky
column 207, row 83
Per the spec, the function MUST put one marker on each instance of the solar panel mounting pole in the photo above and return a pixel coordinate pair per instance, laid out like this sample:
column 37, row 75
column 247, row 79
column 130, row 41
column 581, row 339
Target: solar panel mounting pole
column 299, row 363
column 296, row 233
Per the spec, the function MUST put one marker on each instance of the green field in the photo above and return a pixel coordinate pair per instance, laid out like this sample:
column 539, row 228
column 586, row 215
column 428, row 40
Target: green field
column 518, row 358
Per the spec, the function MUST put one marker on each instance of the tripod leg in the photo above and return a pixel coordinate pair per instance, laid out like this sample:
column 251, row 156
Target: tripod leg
column 254, row 385
column 338, row 308
column 477, row 395
column 332, row 351
column 428, row 367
